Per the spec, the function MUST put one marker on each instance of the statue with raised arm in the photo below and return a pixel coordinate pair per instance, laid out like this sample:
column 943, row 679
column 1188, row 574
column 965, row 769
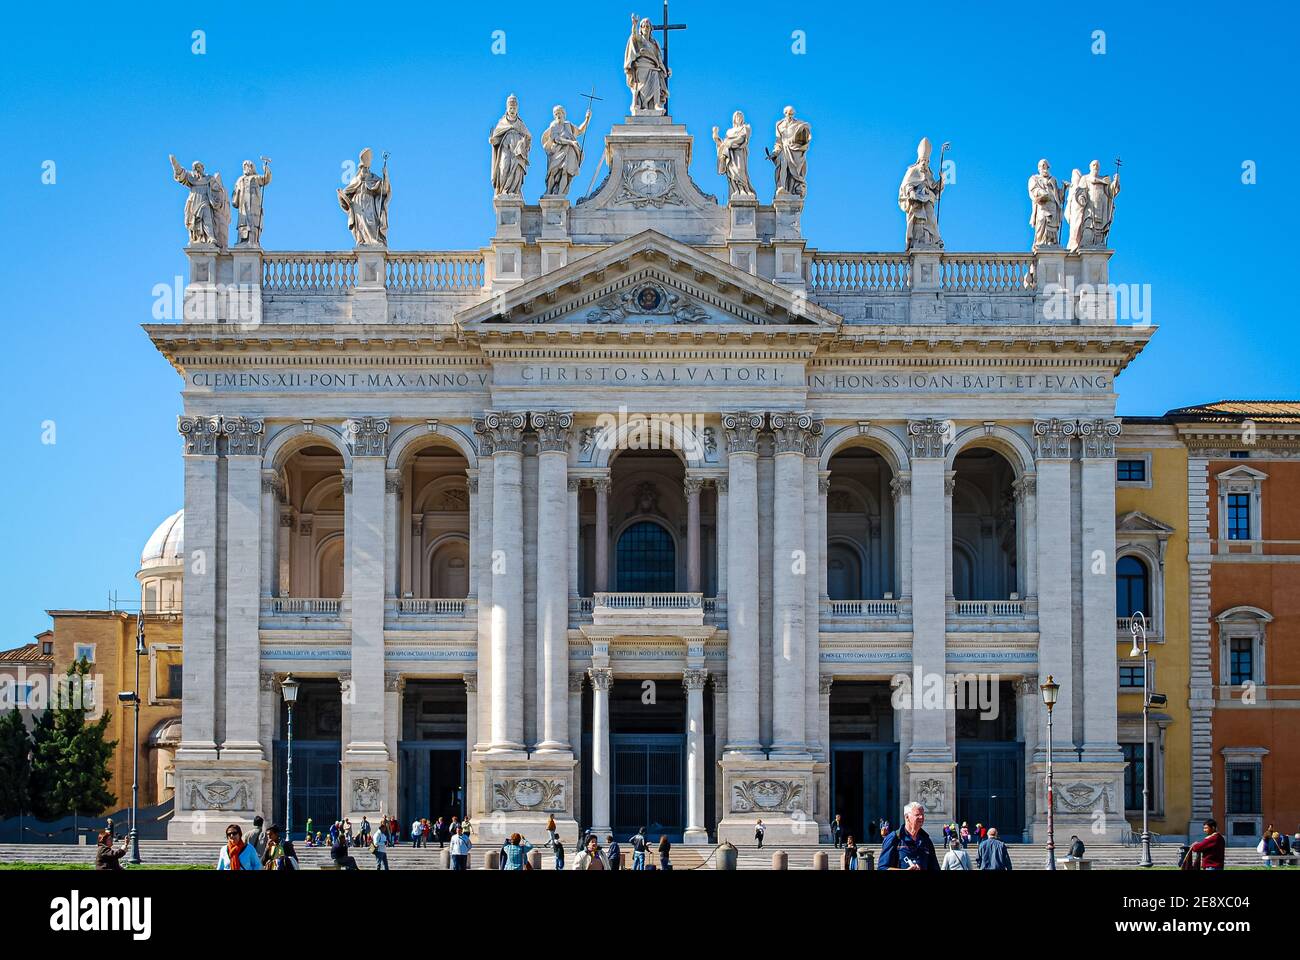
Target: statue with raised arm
column 1102, row 192
column 733, row 156
column 563, row 151
column 511, row 142
column 205, row 207
column 1046, row 198
column 790, row 154
column 918, row 198
column 647, row 76
column 247, row 199
column 365, row 201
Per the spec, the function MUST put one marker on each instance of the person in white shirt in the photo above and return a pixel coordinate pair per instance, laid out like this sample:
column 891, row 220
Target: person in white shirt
column 416, row 829
column 460, row 848
column 380, row 849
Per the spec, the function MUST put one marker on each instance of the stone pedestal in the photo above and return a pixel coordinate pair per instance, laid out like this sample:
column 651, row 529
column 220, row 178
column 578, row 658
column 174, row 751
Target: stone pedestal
column 201, row 298
column 506, row 262
column 555, row 232
column 519, row 796
column 742, row 238
column 1089, row 798
column 1049, row 276
column 930, row 778
column 779, row 792
column 211, row 795
column 926, row 305
column 244, row 299
column 788, row 243
column 370, row 295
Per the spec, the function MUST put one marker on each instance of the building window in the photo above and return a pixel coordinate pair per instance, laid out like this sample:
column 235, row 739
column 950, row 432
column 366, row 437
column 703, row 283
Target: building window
column 1239, row 516
column 647, row 559
column 1133, row 776
column 1131, row 471
column 85, row 651
column 1130, row 676
column 174, row 674
column 1132, row 587
column 1245, row 788
column 1241, row 660
column 47, row 648
column 23, row 695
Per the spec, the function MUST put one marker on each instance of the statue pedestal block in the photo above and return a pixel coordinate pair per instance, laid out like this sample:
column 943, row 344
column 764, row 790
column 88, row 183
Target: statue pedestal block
column 211, row 795
column 930, row 779
column 781, row 793
column 519, row 795
column 506, row 264
column 742, row 238
column 365, row 777
column 555, row 232
column 370, row 295
column 244, row 305
column 788, row 243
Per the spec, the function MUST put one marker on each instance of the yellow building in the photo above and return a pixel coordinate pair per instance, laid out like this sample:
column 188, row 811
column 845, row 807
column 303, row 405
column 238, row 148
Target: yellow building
column 107, row 640
column 1152, row 575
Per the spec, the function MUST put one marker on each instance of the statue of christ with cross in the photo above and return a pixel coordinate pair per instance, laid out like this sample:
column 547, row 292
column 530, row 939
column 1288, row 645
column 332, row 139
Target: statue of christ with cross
column 646, row 67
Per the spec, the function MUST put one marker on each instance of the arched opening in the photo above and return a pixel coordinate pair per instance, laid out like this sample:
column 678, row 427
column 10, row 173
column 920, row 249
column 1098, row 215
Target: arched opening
column 984, row 527
column 861, row 527
column 311, row 547
column 434, row 524
column 646, row 559
column 1132, row 587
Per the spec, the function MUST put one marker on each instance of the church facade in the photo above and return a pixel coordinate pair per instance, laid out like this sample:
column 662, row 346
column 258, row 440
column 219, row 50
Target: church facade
column 649, row 513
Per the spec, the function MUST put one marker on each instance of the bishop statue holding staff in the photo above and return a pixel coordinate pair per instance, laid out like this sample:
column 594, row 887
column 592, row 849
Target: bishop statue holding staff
column 790, row 154
column 1046, row 197
column 247, row 199
column 511, row 142
column 1102, row 192
column 733, row 156
column 563, row 152
column 205, row 208
column 365, row 200
column 918, row 197
column 647, row 74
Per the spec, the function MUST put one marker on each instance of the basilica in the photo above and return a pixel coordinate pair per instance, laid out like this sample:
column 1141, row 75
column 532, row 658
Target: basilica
column 649, row 512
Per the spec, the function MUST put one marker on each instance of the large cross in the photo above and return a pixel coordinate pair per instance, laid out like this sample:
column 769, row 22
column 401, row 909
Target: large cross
column 664, row 28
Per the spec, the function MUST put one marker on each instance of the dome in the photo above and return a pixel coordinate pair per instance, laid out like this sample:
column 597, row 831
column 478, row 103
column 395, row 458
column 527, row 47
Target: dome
column 166, row 546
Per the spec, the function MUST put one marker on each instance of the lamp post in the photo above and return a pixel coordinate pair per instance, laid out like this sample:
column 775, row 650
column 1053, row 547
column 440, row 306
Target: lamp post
column 289, row 690
column 133, row 697
column 1050, row 691
column 1138, row 626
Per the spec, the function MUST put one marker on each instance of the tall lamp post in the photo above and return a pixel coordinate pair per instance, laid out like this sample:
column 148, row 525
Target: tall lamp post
column 289, row 690
column 1050, row 691
column 133, row 697
column 1138, row 626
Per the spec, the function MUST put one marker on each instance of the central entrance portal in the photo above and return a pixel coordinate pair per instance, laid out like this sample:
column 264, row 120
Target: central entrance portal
column 864, row 758
column 431, row 753
column 648, row 749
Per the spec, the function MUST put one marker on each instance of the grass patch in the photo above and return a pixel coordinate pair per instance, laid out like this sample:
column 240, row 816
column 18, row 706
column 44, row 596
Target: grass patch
column 25, row 865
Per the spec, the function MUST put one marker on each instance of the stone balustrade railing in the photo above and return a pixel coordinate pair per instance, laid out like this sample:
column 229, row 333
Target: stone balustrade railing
column 326, row 606
column 457, row 271
column 429, row 606
column 859, row 272
column 860, row 608
column 307, row 272
column 648, row 601
column 454, row 270
column 987, row 272
column 990, row 608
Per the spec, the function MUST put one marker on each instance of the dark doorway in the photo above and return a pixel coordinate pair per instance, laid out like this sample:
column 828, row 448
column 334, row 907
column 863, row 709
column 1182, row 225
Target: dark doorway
column 864, row 757
column 991, row 786
column 431, row 753
column 648, row 757
column 317, row 722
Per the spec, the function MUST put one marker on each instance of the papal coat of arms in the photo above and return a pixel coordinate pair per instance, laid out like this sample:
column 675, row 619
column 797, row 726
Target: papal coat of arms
column 649, row 183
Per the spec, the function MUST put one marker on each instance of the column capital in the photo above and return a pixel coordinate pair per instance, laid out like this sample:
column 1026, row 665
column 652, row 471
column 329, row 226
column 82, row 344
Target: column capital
column 347, row 485
column 795, row 432
column 928, row 437
column 602, row 485
column 393, row 483
column 1024, row 487
column 271, row 482
column 500, row 432
column 472, row 483
column 720, row 683
column 1024, row 686
column 243, row 436
column 693, row 485
column 694, row 678
column 824, row 684
column 576, row 677
column 471, row 682
column 949, row 482
column 742, row 431
column 366, row 436
column 575, row 484
column 553, row 429
column 1053, row 437
column 900, row 486
column 393, row 682
column 602, row 678
column 1098, row 437
column 267, row 681
column 200, row 435
column 721, row 484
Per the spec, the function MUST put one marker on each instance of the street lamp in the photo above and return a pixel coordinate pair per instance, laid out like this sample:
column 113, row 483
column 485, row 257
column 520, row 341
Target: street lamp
column 1050, row 691
column 289, row 690
column 1138, row 626
column 133, row 697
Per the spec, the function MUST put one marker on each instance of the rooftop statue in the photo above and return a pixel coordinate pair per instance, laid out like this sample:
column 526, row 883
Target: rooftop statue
column 647, row 74
column 207, row 211
column 365, row 200
column 247, row 199
column 563, row 151
column 918, row 197
column 511, row 142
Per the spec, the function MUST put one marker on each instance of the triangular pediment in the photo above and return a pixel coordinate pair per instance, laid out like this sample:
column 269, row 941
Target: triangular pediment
column 1242, row 472
column 1137, row 522
column 649, row 280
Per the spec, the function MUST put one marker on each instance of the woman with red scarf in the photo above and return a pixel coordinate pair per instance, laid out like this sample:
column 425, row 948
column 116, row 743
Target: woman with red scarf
column 236, row 854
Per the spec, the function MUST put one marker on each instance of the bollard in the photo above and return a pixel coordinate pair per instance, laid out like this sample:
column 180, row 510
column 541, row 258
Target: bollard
column 535, row 858
column 1077, row 864
column 819, row 860
column 493, row 861
column 444, row 858
column 870, row 859
column 726, row 857
column 780, row 861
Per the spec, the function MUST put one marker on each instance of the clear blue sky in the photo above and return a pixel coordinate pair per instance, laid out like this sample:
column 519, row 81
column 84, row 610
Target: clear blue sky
column 1184, row 94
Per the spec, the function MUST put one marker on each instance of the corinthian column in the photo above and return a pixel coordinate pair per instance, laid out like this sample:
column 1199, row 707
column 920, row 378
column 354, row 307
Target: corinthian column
column 602, row 678
column 693, row 679
column 198, row 698
column 553, row 578
column 693, row 486
column 1097, row 491
column 792, row 432
column 244, row 530
column 366, row 556
column 505, row 431
column 1055, row 592
column 742, row 581
column 602, row 485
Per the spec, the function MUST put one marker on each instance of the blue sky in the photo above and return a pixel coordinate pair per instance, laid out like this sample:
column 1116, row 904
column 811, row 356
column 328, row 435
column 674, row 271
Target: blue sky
column 1184, row 94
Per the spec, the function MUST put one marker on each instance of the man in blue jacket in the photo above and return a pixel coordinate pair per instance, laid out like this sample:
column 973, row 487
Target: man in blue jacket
column 993, row 853
column 909, row 847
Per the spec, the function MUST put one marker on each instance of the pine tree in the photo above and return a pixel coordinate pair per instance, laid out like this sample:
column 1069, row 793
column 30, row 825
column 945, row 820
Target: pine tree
column 44, row 765
column 15, row 764
column 71, row 759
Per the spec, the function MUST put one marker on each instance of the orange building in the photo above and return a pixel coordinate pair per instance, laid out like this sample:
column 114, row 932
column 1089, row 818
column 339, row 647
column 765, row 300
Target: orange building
column 1244, row 551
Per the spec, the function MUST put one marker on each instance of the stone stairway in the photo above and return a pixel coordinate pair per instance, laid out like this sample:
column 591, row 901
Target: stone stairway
column 404, row 857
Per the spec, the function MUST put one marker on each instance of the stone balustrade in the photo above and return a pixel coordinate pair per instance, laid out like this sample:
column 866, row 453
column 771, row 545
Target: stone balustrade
column 429, row 606
column 986, row 609
column 306, row 606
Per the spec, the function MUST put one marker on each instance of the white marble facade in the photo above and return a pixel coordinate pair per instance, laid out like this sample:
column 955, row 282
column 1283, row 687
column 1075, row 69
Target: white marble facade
column 411, row 465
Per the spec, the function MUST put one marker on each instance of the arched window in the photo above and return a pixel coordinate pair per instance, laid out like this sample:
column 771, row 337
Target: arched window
column 843, row 573
column 1132, row 588
column 647, row 559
